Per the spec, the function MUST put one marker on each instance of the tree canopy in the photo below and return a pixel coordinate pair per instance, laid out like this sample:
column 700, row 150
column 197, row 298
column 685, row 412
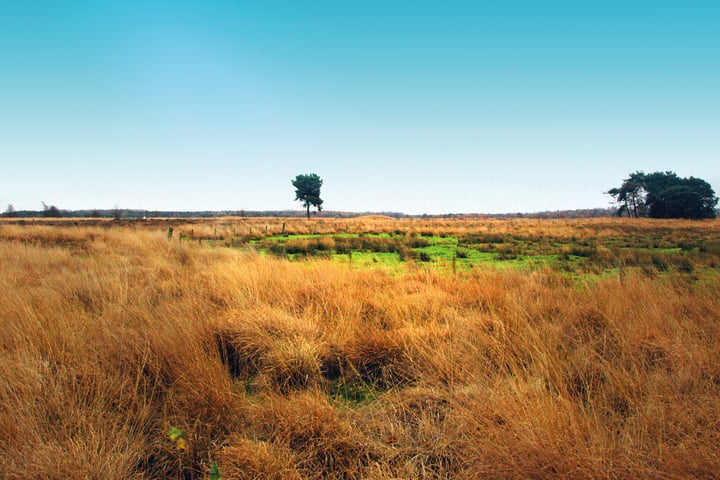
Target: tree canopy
column 664, row 195
column 307, row 190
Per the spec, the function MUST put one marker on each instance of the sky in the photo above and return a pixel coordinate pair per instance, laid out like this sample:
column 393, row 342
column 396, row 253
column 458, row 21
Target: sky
column 411, row 106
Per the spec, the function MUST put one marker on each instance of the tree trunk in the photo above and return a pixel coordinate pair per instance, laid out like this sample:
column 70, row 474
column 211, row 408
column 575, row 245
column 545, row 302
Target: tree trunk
column 308, row 210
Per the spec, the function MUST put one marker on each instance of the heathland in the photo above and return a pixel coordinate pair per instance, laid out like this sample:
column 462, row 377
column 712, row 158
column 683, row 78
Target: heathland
column 365, row 348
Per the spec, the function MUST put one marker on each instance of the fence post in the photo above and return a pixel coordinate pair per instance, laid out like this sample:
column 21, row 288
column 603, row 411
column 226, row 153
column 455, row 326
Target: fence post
column 170, row 231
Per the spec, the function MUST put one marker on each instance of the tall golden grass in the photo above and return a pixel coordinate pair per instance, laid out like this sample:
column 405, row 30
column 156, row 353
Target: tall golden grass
column 112, row 336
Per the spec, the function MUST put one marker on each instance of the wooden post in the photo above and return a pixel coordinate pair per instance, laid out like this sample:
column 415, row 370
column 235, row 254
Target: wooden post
column 283, row 229
column 170, row 231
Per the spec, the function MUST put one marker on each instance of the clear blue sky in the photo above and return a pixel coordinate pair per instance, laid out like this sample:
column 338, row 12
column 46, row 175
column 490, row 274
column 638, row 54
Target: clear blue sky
column 399, row 105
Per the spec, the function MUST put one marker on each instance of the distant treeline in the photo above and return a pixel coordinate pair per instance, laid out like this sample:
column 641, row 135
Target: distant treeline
column 136, row 214
column 580, row 213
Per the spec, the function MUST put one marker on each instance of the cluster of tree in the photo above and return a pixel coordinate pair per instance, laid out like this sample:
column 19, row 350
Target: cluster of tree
column 664, row 195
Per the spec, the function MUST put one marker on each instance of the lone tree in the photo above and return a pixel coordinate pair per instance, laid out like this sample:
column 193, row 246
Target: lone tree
column 10, row 211
column 307, row 190
column 665, row 195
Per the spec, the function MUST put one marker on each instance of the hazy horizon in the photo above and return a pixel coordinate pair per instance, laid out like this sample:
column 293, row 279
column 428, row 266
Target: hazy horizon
column 404, row 106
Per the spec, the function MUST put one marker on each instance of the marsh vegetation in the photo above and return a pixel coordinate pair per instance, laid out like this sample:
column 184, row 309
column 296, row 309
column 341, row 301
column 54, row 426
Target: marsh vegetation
column 360, row 348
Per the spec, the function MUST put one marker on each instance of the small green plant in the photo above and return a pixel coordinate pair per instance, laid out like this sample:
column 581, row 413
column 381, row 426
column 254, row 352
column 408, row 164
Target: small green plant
column 178, row 437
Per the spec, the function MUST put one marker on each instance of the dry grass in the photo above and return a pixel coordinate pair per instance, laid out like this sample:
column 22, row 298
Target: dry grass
column 111, row 336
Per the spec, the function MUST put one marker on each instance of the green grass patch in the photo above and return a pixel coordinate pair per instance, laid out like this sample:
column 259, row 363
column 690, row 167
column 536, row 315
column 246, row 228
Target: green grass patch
column 355, row 394
column 590, row 255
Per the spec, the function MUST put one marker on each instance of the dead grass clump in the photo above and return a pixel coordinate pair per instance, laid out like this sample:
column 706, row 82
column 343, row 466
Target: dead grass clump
column 418, row 436
column 61, row 422
column 451, row 352
column 293, row 365
column 415, row 407
column 323, row 438
column 381, row 358
column 515, row 430
column 273, row 348
column 585, row 378
column 374, row 314
column 246, row 459
column 90, row 455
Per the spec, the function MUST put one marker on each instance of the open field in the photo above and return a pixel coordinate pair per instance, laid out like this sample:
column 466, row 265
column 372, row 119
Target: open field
column 360, row 348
